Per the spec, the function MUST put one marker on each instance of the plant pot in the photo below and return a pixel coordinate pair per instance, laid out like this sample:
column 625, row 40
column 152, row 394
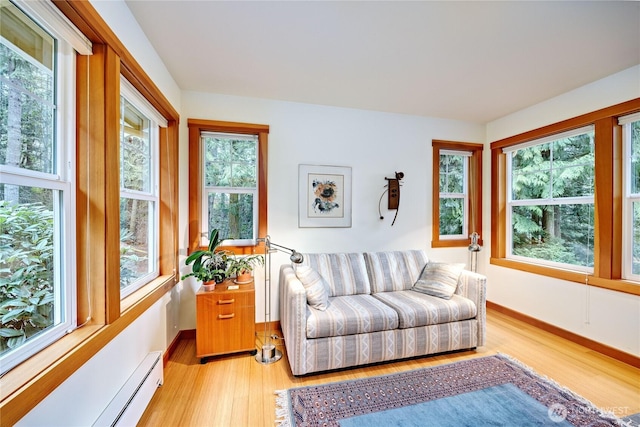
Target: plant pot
column 209, row 286
column 244, row 277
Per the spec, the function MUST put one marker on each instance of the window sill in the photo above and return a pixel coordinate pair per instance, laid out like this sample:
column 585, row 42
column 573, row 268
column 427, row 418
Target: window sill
column 452, row 243
column 619, row 285
column 23, row 387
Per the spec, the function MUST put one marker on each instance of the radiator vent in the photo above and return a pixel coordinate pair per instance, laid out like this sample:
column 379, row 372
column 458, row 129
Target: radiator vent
column 128, row 405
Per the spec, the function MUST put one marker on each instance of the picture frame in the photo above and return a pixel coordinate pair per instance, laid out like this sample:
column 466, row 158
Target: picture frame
column 324, row 196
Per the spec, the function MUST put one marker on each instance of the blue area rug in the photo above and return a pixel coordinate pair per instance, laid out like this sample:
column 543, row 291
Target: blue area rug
column 487, row 391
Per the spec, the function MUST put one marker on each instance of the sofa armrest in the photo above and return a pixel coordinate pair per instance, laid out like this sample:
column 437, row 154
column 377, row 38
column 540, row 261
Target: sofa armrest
column 293, row 318
column 474, row 286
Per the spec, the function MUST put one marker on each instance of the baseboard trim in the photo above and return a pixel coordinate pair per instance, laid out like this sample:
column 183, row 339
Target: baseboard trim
column 183, row 334
column 620, row 355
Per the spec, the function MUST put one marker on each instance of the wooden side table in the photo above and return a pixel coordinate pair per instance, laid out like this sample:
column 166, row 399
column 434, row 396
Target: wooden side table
column 225, row 320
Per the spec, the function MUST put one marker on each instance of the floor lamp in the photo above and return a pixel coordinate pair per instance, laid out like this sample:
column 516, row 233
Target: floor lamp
column 474, row 248
column 270, row 353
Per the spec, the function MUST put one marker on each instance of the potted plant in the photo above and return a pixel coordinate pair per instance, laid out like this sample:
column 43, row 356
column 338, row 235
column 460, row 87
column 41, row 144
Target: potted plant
column 209, row 265
column 242, row 266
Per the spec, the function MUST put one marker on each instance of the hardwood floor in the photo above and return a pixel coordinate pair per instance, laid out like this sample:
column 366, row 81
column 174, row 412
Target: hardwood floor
column 238, row 391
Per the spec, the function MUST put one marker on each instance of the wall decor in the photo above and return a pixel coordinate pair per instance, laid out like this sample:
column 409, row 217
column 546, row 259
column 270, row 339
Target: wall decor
column 324, row 196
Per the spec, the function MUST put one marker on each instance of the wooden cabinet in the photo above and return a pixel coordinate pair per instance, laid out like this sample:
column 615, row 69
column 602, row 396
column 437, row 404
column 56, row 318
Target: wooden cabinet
column 225, row 320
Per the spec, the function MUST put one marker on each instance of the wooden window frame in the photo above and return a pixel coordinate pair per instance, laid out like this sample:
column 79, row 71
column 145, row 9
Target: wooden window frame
column 97, row 212
column 196, row 128
column 474, row 188
column 607, row 271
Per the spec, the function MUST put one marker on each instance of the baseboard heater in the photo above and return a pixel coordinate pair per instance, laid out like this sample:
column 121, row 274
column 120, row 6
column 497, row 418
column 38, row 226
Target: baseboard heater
column 129, row 403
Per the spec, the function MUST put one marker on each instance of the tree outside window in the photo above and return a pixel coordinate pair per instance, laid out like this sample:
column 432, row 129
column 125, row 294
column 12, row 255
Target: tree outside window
column 631, row 138
column 457, row 192
column 231, row 185
column 227, row 183
column 36, row 289
column 138, row 195
column 551, row 206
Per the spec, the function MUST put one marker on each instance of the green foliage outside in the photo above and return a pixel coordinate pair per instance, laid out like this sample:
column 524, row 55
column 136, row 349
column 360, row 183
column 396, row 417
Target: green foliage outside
column 26, row 272
column 635, row 189
column 230, row 169
column 135, row 176
column 452, row 209
column 554, row 229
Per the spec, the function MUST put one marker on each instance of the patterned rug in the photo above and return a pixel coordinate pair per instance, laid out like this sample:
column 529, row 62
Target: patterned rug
column 494, row 390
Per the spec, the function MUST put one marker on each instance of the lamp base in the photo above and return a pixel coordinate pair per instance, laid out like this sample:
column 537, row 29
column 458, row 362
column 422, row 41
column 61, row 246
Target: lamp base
column 269, row 354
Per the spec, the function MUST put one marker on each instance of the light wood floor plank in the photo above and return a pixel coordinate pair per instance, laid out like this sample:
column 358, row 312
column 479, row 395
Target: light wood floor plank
column 236, row 390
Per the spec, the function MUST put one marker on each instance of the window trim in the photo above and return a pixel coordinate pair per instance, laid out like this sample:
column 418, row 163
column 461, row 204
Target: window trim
column 198, row 126
column 97, row 92
column 474, row 190
column 608, row 199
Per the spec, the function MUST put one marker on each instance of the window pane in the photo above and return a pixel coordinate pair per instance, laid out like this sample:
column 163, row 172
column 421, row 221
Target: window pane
column 561, row 168
column 452, row 173
column 451, row 216
column 27, row 93
column 29, row 297
column 635, row 257
column 635, row 157
column 135, row 149
column 558, row 233
column 232, row 214
column 230, row 162
column 135, row 260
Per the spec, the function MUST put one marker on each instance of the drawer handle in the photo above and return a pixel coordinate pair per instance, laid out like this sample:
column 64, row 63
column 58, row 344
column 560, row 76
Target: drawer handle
column 226, row 316
column 226, row 301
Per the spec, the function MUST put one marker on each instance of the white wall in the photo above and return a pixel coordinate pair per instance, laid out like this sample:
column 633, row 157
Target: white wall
column 80, row 400
column 83, row 396
column 373, row 144
column 608, row 317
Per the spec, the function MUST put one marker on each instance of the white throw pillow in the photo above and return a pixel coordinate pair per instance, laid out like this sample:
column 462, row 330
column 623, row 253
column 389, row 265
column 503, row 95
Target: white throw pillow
column 439, row 279
column 315, row 287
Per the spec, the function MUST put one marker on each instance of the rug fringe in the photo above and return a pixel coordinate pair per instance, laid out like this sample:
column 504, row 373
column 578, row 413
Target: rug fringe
column 604, row 414
column 283, row 409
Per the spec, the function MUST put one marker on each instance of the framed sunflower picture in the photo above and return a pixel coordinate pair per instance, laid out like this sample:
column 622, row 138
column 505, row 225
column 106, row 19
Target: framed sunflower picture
column 324, row 196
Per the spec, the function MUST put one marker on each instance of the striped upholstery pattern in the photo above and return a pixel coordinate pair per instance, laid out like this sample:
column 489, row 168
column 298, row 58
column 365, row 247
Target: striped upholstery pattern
column 394, row 271
column 346, row 274
column 308, row 355
column 418, row 309
column 324, row 354
column 353, row 314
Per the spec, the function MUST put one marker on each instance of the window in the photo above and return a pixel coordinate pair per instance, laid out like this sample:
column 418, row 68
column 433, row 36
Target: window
column 69, row 128
column 457, row 188
column 550, row 208
column 138, row 190
column 631, row 209
column 563, row 199
column 37, row 286
column 454, row 194
column 227, row 183
column 230, row 195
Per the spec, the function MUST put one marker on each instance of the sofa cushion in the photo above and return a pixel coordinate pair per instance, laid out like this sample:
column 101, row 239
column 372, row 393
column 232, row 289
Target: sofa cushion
column 417, row 309
column 315, row 287
column 346, row 274
column 394, row 271
column 439, row 279
column 348, row 315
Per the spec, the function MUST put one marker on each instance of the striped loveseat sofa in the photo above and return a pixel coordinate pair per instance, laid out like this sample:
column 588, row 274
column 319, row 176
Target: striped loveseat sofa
column 372, row 312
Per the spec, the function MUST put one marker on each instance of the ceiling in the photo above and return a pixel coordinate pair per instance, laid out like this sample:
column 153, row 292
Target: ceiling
column 474, row 61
